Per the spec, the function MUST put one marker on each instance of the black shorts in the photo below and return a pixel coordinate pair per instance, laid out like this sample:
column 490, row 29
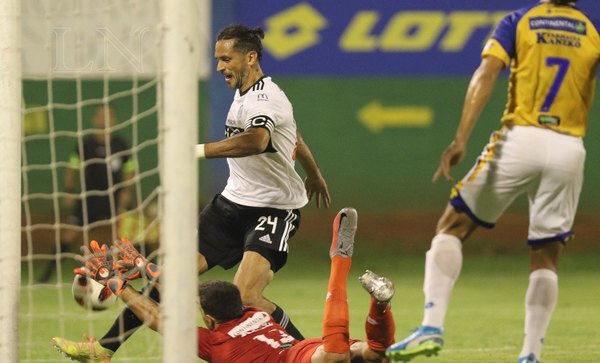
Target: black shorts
column 98, row 209
column 227, row 230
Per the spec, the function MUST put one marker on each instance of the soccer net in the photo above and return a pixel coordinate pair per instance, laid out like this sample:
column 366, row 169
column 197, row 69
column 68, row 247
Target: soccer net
column 109, row 124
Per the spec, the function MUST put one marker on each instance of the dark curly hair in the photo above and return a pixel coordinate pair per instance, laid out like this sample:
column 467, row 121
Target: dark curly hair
column 246, row 39
column 221, row 300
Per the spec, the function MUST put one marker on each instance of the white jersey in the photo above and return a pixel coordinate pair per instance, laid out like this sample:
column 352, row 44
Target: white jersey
column 268, row 179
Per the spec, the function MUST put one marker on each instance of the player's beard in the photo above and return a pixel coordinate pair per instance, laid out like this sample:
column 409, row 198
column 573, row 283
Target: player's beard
column 241, row 79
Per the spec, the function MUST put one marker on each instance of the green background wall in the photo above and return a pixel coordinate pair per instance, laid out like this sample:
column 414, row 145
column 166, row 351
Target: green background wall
column 383, row 171
column 391, row 170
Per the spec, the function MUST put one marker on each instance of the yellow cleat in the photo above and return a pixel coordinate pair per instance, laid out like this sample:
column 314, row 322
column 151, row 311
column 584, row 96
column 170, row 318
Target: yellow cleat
column 86, row 352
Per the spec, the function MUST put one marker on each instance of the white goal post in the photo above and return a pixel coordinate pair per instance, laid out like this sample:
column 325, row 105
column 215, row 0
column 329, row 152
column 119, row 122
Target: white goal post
column 179, row 181
column 182, row 34
column 10, row 178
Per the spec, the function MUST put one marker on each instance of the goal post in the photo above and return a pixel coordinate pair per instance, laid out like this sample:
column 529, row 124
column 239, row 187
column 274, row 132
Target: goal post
column 179, row 180
column 10, row 178
column 142, row 60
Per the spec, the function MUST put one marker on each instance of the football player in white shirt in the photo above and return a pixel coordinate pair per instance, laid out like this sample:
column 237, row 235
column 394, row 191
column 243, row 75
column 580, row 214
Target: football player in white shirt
column 253, row 218
column 251, row 221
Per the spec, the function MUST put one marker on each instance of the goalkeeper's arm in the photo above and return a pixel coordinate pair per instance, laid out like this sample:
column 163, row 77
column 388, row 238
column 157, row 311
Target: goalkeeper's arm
column 143, row 307
column 130, row 266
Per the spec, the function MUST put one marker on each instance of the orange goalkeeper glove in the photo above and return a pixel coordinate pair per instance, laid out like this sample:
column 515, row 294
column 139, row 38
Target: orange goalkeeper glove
column 132, row 264
column 116, row 284
column 97, row 265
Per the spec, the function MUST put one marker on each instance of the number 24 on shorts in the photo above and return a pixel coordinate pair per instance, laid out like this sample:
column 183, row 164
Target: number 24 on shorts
column 268, row 220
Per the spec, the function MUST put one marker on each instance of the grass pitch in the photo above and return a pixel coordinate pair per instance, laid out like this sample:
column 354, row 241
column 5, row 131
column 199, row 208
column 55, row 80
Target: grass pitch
column 484, row 322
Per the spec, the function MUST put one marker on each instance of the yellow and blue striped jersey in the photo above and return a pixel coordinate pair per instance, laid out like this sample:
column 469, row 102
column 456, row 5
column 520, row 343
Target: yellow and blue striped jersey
column 553, row 52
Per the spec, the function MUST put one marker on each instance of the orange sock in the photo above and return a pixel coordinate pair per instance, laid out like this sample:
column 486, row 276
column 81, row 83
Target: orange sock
column 336, row 317
column 380, row 327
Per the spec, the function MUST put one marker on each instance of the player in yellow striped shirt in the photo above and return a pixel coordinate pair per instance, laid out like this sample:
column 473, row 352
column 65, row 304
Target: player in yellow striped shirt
column 552, row 49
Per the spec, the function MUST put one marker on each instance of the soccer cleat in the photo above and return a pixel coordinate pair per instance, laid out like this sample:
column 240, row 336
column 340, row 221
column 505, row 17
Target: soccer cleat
column 344, row 227
column 426, row 340
column 380, row 288
column 86, row 352
column 531, row 358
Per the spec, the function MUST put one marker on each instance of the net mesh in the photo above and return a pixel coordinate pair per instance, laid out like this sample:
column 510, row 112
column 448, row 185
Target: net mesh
column 81, row 57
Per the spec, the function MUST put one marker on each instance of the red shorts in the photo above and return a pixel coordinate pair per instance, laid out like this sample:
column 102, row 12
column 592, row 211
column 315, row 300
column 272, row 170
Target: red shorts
column 303, row 351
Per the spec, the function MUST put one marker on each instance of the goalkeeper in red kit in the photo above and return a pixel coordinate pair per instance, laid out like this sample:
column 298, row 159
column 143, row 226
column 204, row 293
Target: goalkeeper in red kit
column 238, row 333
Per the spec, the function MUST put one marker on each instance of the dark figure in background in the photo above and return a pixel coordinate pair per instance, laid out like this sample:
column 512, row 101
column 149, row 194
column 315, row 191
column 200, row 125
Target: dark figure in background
column 106, row 170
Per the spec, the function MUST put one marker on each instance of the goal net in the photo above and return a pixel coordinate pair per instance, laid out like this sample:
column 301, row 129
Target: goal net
column 109, row 99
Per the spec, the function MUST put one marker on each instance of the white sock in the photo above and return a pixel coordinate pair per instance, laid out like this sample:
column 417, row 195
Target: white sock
column 443, row 262
column 540, row 300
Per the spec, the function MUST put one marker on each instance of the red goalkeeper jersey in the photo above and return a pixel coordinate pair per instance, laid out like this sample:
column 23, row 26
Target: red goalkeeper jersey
column 255, row 337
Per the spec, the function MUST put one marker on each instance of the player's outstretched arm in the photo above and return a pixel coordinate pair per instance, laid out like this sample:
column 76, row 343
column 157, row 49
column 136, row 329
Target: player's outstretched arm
column 143, row 307
column 253, row 141
column 315, row 183
column 479, row 91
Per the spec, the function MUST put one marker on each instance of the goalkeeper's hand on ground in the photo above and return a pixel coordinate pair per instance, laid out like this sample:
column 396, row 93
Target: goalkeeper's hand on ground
column 97, row 265
column 131, row 264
